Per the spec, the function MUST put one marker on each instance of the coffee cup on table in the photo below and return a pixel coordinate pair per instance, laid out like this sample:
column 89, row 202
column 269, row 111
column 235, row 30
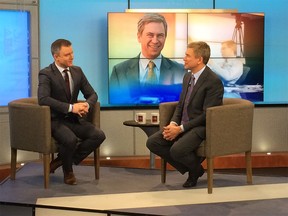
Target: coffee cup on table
column 155, row 118
column 140, row 118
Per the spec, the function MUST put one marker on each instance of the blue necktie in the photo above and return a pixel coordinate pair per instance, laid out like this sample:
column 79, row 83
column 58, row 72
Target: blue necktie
column 185, row 117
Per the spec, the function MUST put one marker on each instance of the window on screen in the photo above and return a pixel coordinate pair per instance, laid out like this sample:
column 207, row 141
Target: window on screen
column 14, row 55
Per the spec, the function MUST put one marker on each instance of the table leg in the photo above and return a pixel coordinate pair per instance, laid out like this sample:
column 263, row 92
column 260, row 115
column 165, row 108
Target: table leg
column 149, row 131
column 152, row 160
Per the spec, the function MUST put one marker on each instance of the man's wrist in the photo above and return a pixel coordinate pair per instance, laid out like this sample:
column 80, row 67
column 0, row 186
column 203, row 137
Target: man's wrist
column 181, row 128
column 87, row 105
column 174, row 123
column 70, row 108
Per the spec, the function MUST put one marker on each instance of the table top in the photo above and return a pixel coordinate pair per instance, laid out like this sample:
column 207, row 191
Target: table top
column 133, row 123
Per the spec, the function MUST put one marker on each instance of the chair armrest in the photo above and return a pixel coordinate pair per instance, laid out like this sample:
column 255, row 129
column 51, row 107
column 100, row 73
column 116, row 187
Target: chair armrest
column 166, row 111
column 30, row 125
column 93, row 115
column 229, row 128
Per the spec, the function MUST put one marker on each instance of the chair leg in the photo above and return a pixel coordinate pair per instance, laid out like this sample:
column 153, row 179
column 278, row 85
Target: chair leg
column 13, row 163
column 210, row 174
column 248, row 167
column 163, row 170
column 97, row 162
column 46, row 164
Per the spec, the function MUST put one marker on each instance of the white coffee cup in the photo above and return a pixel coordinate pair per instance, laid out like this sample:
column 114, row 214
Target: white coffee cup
column 155, row 118
column 140, row 118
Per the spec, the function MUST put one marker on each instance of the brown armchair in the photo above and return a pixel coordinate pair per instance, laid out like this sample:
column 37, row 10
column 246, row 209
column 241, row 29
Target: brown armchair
column 30, row 130
column 228, row 131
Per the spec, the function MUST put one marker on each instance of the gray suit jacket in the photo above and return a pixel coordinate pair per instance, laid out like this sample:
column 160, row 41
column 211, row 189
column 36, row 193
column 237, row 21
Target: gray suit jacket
column 207, row 92
column 52, row 91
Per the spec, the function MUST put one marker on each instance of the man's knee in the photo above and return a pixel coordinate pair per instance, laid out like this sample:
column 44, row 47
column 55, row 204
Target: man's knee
column 153, row 142
column 98, row 138
column 149, row 143
column 101, row 136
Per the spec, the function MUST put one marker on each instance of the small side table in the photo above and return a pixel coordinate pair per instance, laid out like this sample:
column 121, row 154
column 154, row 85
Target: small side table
column 149, row 129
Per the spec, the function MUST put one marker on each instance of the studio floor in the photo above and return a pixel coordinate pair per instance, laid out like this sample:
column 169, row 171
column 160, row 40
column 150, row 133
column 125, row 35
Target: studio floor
column 131, row 191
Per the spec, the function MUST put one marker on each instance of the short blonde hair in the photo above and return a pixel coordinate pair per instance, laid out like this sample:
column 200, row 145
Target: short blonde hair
column 149, row 18
column 201, row 49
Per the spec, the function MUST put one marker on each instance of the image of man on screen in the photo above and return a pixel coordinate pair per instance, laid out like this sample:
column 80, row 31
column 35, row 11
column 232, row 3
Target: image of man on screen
column 141, row 79
column 231, row 68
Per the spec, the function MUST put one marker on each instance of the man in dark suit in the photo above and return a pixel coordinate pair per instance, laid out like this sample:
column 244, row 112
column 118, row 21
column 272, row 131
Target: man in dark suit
column 131, row 79
column 59, row 86
column 177, row 142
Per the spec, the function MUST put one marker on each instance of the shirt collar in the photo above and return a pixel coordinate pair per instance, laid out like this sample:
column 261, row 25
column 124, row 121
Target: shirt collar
column 144, row 61
column 198, row 74
column 61, row 69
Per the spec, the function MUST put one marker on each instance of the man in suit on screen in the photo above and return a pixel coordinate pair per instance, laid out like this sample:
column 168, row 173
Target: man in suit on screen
column 59, row 86
column 150, row 70
column 178, row 141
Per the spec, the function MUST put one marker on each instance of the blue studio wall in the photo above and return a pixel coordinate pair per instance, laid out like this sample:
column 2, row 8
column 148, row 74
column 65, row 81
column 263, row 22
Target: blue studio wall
column 84, row 22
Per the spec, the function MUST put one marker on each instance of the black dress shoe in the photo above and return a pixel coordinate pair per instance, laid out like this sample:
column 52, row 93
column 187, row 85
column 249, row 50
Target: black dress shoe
column 55, row 164
column 192, row 179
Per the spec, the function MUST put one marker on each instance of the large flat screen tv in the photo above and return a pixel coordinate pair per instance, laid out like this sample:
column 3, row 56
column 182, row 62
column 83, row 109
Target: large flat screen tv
column 244, row 30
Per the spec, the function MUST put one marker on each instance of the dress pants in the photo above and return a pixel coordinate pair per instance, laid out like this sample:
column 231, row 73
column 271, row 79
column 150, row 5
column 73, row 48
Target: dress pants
column 180, row 153
column 77, row 139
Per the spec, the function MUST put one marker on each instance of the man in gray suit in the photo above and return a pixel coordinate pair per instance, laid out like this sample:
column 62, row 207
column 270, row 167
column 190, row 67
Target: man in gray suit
column 177, row 142
column 130, row 79
column 59, row 86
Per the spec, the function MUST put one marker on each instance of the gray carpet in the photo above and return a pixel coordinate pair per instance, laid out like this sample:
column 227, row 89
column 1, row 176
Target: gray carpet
column 28, row 186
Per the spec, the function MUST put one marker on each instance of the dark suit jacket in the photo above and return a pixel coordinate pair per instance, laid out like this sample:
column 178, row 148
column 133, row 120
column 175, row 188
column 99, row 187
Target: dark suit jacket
column 207, row 92
column 52, row 91
column 127, row 72
column 125, row 80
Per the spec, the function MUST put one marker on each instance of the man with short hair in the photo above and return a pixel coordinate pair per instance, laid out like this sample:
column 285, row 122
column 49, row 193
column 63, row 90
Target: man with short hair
column 130, row 79
column 59, row 87
column 177, row 142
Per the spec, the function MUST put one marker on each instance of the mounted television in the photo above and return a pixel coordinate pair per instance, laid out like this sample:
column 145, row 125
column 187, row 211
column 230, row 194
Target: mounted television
column 14, row 55
column 245, row 30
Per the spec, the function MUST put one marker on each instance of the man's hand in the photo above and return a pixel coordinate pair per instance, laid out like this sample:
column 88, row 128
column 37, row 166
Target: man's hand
column 171, row 131
column 80, row 108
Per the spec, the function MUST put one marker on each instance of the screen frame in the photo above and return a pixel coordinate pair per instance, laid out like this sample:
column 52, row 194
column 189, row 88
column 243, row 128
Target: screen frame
column 141, row 106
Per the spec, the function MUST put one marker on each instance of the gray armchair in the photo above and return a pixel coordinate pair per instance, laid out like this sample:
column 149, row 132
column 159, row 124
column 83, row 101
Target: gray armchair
column 228, row 131
column 30, row 130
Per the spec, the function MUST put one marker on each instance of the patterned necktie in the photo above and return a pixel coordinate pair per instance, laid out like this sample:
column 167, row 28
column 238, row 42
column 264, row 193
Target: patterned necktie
column 151, row 76
column 67, row 82
column 185, row 117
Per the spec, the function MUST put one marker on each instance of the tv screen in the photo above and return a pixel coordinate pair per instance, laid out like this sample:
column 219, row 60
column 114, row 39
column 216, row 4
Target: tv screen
column 14, row 55
column 237, row 56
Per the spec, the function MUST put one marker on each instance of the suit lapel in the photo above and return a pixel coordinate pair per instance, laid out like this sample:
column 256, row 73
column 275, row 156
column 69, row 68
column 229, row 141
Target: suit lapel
column 132, row 72
column 76, row 78
column 186, row 83
column 60, row 80
column 199, row 82
column 166, row 75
